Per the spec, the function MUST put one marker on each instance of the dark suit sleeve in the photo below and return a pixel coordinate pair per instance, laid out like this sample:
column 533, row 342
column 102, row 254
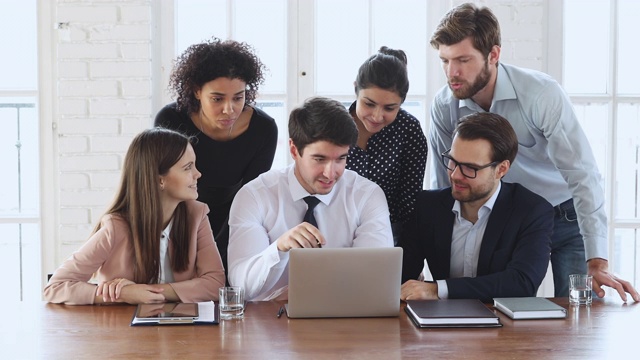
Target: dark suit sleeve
column 412, row 241
column 412, row 261
column 520, row 258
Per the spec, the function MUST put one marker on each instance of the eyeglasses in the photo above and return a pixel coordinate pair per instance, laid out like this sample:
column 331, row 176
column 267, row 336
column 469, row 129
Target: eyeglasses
column 467, row 170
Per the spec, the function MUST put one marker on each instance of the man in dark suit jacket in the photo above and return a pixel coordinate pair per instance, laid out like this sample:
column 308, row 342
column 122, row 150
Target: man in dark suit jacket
column 482, row 238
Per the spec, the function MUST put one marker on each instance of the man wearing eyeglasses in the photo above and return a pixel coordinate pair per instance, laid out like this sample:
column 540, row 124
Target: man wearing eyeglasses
column 482, row 238
column 556, row 160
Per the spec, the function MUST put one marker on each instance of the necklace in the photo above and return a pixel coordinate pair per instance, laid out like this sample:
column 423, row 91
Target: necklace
column 201, row 124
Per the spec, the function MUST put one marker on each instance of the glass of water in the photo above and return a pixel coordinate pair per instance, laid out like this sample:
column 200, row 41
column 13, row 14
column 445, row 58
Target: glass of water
column 231, row 302
column 580, row 289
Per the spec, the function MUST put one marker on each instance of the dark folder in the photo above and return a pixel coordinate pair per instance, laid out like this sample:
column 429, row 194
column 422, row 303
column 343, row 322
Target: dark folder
column 451, row 313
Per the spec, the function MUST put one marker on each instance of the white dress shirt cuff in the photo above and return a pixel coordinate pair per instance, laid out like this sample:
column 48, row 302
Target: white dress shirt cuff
column 443, row 289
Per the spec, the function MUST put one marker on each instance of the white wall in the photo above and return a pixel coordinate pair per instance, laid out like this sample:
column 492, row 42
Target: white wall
column 102, row 95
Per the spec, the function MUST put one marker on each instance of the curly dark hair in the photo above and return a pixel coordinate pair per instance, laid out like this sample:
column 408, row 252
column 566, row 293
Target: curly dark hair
column 212, row 59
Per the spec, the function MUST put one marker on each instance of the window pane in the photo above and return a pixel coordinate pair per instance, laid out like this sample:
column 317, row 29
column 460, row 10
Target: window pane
column 409, row 21
column 197, row 20
column 341, row 44
column 19, row 156
column 17, row 35
column 20, row 258
column 627, row 161
column 626, row 255
column 277, row 110
column 417, row 109
column 628, row 30
column 586, row 21
column 271, row 44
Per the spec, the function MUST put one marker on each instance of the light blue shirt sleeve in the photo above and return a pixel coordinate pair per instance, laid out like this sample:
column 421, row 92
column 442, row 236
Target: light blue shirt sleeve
column 570, row 152
column 440, row 139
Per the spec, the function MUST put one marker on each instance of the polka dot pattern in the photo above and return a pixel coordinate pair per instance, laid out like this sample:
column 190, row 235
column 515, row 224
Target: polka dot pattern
column 395, row 159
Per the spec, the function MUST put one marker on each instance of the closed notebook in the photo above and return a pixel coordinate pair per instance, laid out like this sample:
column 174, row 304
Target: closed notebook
column 451, row 313
column 530, row 308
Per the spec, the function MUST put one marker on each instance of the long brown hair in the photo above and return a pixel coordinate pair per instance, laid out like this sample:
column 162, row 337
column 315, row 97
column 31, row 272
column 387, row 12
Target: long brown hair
column 151, row 154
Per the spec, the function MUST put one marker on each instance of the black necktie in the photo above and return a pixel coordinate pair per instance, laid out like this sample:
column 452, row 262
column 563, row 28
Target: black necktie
column 311, row 201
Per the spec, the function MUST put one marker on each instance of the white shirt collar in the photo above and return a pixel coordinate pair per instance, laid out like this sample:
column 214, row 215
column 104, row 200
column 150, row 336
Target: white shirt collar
column 298, row 192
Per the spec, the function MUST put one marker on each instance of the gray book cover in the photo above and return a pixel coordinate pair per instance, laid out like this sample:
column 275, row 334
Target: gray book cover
column 529, row 308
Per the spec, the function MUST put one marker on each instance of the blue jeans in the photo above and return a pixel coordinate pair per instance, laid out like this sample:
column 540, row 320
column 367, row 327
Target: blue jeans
column 567, row 248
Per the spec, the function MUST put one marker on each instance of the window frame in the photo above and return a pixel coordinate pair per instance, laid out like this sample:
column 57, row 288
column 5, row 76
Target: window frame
column 49, row 184
column 556, row 12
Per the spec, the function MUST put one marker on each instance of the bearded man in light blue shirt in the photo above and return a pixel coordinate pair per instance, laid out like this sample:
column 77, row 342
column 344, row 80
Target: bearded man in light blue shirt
column 555, row 159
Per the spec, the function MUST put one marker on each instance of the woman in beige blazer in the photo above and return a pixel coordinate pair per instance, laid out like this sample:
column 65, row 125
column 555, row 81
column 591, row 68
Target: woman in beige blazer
column 155, row 243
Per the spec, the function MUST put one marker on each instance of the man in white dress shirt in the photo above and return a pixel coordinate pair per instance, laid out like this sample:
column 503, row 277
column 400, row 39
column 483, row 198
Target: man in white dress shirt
column 266, row 218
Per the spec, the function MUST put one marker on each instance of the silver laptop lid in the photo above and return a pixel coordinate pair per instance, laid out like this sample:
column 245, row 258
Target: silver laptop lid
column 344, row 282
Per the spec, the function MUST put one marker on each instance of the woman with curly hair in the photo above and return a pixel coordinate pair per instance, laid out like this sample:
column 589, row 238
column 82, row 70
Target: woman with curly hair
column 215, row 84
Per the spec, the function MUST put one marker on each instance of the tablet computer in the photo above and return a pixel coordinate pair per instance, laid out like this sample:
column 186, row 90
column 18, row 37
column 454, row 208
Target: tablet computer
column 167, row 312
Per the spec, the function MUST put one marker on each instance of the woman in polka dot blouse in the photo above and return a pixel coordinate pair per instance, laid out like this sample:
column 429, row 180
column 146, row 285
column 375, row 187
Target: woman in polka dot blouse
column 392, row 148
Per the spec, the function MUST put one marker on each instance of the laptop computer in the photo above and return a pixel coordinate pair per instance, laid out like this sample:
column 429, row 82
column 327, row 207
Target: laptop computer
column 344, row 282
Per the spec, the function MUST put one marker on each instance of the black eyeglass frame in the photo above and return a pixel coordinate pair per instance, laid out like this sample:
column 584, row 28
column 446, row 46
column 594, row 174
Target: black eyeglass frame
column 462, row 166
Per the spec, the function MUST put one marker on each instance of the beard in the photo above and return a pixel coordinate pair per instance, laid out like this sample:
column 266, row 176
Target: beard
column 468, row 91
column 482, row 192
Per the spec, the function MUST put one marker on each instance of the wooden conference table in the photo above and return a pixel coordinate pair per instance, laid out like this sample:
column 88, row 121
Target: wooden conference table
column 38, row 330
